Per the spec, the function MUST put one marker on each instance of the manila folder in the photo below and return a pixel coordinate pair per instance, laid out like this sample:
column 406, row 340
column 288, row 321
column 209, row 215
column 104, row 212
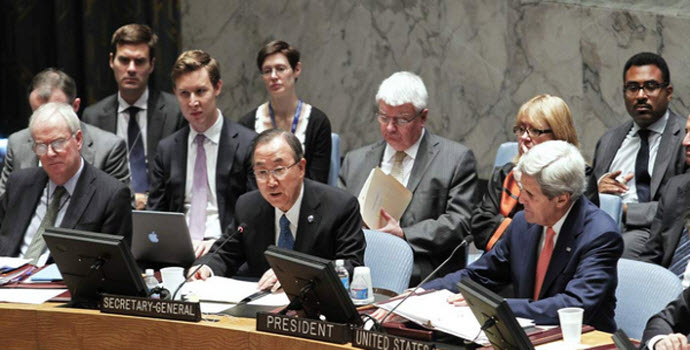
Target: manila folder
column 382, row 191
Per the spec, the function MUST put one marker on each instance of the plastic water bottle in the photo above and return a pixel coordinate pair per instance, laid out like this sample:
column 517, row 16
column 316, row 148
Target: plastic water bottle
column 342, row 273
column 360, row 289
column 150, row 279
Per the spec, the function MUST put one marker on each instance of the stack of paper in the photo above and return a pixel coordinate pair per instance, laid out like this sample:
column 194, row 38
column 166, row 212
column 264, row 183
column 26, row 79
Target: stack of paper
column 432, row 311
column 9, row 264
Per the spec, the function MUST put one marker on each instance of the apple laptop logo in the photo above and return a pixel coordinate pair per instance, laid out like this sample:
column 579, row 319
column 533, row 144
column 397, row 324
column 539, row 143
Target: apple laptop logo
column 153, row 237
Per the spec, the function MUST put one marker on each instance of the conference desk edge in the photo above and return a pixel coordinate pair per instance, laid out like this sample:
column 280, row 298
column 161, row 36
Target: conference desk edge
column 49, row 326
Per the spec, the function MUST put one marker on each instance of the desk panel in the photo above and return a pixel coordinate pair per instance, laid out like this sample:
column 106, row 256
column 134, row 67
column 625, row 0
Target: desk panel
column 48, row 326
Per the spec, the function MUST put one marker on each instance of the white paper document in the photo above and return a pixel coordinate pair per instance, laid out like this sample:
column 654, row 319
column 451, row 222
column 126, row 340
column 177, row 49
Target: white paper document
column 214, row 308
column 432, row 311
column 28, row 296
column 228, row 290
column 7, row 263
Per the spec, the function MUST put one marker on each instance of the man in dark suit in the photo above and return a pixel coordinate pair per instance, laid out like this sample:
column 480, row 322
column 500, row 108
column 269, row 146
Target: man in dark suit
column 100, row 148
column 140, row 115
column 440, row 173
column 669, row 329
column 560, row 251
column 635, row 160
column 288, row 211
column 203, row 168
column 65, row 192
column 670, row 221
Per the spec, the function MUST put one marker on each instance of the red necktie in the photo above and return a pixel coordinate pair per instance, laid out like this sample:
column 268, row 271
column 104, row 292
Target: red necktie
column 543, row 263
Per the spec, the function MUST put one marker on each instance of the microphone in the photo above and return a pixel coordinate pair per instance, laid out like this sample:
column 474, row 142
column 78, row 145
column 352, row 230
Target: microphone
column 468, row 239
column 240, row 230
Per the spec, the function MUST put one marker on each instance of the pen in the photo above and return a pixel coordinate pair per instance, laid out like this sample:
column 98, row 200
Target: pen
column 255, row 296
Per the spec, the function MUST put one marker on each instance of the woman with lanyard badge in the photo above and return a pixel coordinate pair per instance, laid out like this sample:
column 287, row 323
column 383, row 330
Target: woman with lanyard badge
column 280, row 66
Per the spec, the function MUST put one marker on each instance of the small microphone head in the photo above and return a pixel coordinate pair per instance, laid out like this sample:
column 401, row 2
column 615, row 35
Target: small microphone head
column 241, row 228
column 469, row 239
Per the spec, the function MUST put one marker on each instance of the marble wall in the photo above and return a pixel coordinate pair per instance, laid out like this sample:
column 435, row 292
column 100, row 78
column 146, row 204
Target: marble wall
column 480, row 60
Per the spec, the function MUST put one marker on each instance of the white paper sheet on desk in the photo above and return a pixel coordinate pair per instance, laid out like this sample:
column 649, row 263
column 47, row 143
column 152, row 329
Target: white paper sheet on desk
column 214, row 308
column 228, row 290
column 28, row 296
column 7, row 263
column 432, row 311
column 221, row 289
column 275, row 299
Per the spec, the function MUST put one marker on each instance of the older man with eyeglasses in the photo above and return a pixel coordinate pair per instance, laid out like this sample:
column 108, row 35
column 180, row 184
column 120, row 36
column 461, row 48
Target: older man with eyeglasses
column 65, row 191
column 636, row 159
column 288, row 211
column 440, row 173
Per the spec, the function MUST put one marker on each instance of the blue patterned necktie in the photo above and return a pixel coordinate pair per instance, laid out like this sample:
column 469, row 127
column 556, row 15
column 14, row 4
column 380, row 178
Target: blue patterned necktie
column 285, row 240
column 681, row 255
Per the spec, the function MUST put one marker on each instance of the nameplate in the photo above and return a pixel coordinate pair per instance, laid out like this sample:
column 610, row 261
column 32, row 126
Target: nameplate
column 146, row 307
column 303, row 327
column 381, row 341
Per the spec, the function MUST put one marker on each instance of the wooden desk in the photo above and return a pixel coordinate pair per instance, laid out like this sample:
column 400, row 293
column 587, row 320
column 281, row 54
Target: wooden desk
column 48, row 326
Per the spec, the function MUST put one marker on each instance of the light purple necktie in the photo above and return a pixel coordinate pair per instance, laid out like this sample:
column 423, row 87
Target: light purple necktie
column 197, row 214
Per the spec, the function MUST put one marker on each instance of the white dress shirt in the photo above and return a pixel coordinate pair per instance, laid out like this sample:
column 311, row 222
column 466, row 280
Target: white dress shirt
column 556, row 228
column 42, row 207
column 410, row 155
column 627, row 154
column 213, row 229
column 123, row 117
column 292, row 215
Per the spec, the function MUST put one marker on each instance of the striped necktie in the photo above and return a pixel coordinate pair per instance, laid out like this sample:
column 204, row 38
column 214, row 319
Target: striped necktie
column 681, row 255
column 38, row 244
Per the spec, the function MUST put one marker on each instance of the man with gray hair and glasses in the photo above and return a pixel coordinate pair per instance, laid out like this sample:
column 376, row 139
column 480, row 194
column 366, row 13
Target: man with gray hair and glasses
column 65, row 192
column 560, row 251
column 100, row 148
column 440, row 173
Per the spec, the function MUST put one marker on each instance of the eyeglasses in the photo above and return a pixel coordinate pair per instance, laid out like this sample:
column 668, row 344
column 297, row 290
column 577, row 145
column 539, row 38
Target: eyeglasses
column 532, row 132
column 58, row 146
column 280, row 70
column 400, row 120
column 651, row 88
column 278, row 172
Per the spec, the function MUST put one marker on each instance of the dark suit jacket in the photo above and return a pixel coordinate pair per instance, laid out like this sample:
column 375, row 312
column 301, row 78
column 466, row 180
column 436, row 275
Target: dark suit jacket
column 669, row 221
column 333, row 232
column 99, row 204
column 670, row 161
column 234, row 174
column 675, row 318
column 582, row 272
column 317, row 143
column 102, row 149
column 487, row 216
column 443, row 182
column 163, row 119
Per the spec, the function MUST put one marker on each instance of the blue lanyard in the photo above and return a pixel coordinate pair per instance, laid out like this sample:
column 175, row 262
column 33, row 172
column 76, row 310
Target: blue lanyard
column 294, row 120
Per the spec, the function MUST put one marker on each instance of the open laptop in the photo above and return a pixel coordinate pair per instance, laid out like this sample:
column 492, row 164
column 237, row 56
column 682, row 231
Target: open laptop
column 161, row 239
